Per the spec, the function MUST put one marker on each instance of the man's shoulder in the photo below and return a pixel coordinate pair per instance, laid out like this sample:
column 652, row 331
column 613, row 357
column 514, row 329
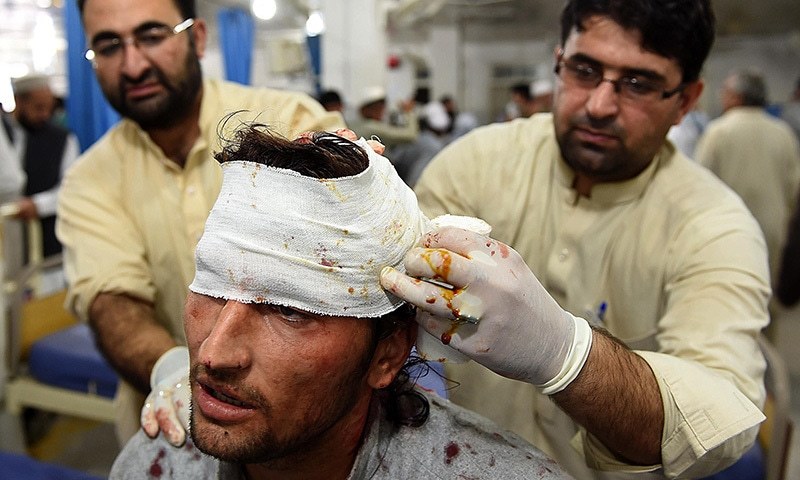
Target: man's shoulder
column 531, row 130
column 505, row 146
column 458, row 443
column 245, row 96
column 688, row 193
column 143, row 457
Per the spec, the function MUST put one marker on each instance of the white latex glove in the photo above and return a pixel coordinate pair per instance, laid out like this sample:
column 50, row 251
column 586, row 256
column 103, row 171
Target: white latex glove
column 522, row 332
column 167, row 406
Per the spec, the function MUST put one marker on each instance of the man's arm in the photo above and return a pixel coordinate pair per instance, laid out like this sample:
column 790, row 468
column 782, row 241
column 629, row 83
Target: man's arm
column 600, row 383
column 619, row 383
column 129, row 336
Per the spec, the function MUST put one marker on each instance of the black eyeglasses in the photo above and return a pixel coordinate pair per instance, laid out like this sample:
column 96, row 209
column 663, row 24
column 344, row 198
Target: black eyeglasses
column 146, row 39
column 634, row 87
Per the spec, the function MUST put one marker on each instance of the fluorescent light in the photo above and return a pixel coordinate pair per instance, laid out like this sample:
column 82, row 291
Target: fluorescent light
column 315, row 24
column 264, row 9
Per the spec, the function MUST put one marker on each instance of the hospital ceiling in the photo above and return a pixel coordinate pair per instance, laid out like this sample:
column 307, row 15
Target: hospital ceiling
column 22, row 22
column 536, row 19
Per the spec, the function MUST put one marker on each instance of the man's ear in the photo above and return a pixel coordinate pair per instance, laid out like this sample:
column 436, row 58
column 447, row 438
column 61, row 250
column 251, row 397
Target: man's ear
column 390, row 356
column 200, row 32
column 689, row 97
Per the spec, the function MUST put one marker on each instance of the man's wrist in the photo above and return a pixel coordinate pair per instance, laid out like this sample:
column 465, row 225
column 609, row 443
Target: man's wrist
column 575, row 360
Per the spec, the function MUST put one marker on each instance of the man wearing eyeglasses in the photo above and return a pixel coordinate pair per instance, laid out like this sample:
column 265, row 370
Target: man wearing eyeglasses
column 640, row 353
column 133, row 207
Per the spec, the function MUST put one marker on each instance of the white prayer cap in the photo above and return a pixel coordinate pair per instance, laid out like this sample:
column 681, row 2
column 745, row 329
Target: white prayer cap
column 436, row 116
column 371, row 95
column 30, row 83
column 543, row 86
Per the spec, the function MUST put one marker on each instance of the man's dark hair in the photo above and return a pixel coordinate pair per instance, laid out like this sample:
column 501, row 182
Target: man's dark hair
column 186, row 7
column 682, row 30
column 325, row 156
column 422, row 95
column 522, row 89
column 328, row 97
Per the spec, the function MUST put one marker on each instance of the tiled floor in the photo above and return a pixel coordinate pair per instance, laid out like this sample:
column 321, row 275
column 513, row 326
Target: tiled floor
column 92, row 447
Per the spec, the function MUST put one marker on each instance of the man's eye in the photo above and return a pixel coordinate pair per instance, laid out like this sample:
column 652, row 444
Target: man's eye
column 151, row 37
column 290, row 314
column 107, row 48
column 639, row 86
column 585, row 72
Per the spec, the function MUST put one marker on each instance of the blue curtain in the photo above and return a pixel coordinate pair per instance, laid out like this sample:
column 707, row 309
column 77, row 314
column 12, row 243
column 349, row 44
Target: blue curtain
column 88, row 112
column 236, row 28
column 315, row 52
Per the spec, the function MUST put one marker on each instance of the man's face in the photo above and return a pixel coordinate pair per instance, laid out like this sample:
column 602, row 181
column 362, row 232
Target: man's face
column 35, row 108
column 152, row 85
column 603, row 136
column 522, row 103
column 272, row 382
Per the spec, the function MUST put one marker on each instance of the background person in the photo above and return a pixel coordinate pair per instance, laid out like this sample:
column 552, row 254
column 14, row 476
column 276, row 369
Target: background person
column 293, row 374
column 757, row 155
column 45, row 151
column 411, row 158
column 623, row 233
column 520, row 104
column 133, row 207
column 790, row 113
column 331, row 101
column 460, row 122
column 373, row 120
column 541, row 95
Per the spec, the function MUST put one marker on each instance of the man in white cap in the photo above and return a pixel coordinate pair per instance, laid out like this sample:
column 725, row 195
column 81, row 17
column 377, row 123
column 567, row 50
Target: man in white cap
column 296, row 353
column 372, row 121
column 44, row 152
column 411, row 158
column 541, row 95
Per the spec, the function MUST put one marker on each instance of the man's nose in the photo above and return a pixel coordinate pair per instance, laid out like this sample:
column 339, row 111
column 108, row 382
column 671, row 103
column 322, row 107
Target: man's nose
column 603, row 101
column 134, row 61
column 226, row 346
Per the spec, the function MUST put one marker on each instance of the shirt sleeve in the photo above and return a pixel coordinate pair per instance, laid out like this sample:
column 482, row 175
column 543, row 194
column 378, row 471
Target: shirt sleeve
column 103, row 250
column 709, row 366
column 12, row 177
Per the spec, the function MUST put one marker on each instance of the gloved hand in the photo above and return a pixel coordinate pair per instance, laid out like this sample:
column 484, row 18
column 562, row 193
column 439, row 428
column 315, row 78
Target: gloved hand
column 167, row 406
column 522, row 333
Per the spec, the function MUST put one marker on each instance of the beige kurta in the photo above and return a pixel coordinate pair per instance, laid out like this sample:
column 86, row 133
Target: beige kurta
column 758, row 157
column 676, row 258
column 130, row 218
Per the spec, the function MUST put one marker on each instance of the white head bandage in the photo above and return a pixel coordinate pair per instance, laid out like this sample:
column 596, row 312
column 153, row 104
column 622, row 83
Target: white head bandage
column 275, row 236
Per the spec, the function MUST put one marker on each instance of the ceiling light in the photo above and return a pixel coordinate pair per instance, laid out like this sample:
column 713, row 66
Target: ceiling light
column 315, row 24
column 264, row 9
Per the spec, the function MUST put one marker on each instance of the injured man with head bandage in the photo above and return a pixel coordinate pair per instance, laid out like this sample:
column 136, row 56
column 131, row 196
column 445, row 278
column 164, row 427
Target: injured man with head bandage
column 297, row 357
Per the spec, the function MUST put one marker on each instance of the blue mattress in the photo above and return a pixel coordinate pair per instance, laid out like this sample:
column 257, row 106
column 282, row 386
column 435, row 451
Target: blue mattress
column 16, row 467
column 70, row 359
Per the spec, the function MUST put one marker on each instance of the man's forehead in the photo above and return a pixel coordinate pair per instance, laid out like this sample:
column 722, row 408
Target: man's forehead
column 124, row 16
column 604, row 40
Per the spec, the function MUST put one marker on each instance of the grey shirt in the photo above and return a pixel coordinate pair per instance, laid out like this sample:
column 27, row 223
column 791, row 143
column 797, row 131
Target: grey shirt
column 453, row 443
